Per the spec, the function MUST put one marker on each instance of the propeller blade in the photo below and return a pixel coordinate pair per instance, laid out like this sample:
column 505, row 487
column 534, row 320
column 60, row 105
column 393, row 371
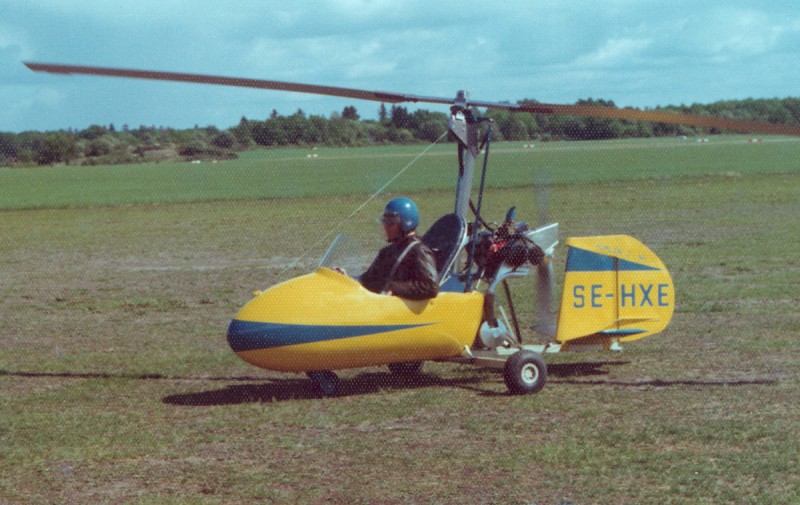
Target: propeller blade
column 653, row 116
column 541, row 195
column 546, row 321
column 545, row 237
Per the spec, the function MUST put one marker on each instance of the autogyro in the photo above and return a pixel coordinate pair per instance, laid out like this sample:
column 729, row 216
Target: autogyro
column 615, row 289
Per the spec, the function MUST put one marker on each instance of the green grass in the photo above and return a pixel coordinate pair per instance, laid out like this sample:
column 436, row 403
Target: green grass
column 117, row 386
column 289, row 173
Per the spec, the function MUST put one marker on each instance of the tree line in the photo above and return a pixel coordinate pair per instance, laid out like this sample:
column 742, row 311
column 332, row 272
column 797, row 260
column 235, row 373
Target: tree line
column 395, row 125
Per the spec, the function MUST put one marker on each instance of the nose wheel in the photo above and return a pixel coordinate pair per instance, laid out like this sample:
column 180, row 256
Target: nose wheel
column 325, row 382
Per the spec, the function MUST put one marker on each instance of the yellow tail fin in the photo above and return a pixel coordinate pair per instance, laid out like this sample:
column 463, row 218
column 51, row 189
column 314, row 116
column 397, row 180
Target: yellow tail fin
column 614, row 288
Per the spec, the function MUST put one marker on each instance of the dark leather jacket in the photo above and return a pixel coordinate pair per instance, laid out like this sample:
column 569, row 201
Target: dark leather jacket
column 414, row 278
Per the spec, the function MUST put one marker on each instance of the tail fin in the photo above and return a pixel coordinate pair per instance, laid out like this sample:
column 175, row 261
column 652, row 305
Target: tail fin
column 614, row 288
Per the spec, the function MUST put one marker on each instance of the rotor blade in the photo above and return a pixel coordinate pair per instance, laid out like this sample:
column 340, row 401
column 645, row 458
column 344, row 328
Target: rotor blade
column 651, row 116
column 377, row 96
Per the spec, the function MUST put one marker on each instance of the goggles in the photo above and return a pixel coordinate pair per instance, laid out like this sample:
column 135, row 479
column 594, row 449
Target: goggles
column 389, row 218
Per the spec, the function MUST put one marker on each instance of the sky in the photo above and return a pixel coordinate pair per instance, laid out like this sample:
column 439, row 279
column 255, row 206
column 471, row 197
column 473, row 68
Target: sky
column 642, row 53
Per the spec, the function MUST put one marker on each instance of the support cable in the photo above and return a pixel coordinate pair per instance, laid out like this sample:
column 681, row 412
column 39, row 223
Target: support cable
column 360, row 207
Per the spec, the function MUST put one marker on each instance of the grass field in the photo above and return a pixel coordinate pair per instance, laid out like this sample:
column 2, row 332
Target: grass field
column 117, row 385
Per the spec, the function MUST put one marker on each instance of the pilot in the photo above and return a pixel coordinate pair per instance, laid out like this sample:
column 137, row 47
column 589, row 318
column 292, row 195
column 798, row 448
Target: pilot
column 406, row 267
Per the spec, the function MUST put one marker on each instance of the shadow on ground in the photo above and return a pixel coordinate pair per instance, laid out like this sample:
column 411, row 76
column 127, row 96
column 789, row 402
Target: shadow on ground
column 276, row 390
column 255, row 389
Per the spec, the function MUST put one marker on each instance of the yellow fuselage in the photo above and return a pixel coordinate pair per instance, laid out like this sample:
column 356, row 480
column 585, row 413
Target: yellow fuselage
column 327, row 321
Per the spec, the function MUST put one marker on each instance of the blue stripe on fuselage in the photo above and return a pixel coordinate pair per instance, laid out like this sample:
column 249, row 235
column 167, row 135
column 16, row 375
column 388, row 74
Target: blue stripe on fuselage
column 581, row 260
column 250, row 335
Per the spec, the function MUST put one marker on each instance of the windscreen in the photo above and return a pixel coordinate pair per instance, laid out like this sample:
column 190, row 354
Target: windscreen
column 349, row 254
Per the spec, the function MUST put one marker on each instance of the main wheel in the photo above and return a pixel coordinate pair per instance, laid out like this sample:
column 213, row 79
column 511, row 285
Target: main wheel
column 525, row 372
column 406, row 368
column 326, row 382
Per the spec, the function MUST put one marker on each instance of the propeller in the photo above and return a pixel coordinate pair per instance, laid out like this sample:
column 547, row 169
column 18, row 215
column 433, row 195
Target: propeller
column 545, row 280
column 654, row 116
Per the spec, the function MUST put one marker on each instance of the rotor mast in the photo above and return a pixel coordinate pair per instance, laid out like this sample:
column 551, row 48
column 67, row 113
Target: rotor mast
column 465, row 128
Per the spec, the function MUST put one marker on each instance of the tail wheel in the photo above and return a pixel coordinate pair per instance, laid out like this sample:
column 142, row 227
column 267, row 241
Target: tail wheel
column 406, row 368
column 525, row 372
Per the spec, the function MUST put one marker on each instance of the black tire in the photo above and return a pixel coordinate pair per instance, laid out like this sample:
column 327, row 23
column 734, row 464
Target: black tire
column 525, row 372
column 407, row 368
column 325, row 382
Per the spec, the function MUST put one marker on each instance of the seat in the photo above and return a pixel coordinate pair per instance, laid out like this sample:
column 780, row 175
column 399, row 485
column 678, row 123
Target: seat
column 445, row 238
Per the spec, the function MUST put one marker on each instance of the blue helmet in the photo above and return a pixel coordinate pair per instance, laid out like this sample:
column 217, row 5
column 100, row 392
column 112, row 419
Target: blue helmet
column 404, row 210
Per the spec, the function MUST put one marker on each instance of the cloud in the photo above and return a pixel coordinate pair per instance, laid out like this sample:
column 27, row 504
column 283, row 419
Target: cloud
column 23, row 102
column 335, row 54
column 614, row 53
column 743, row 33
column 642, row 53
